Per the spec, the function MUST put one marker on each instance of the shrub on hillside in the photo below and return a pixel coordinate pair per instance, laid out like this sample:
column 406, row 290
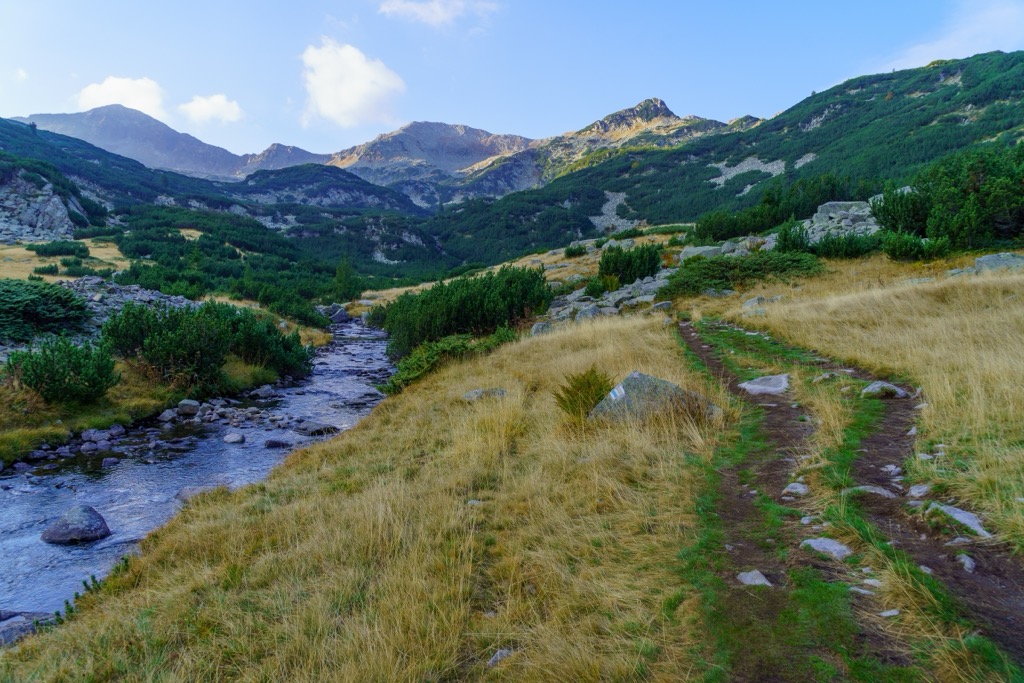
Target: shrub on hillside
column 258, row 341
column 581, row 392
column 431, row 355
column 60, row 248
column 847, row 246
column 793, row 237
column 901, row 246
column 630, row 265
column 575, row 252
column 62, row 371
column 31, row 308
column 49, row 269
column 902, row 211
column 698, row 274
column 476, row 306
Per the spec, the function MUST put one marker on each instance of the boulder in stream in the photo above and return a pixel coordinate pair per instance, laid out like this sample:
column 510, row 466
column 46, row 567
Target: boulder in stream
column 80, row 524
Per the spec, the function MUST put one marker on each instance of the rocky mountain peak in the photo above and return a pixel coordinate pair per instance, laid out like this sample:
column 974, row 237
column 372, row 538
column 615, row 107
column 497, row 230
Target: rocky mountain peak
column 649, row 110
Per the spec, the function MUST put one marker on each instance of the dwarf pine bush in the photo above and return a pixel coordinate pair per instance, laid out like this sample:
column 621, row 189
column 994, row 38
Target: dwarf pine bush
column 62, row 371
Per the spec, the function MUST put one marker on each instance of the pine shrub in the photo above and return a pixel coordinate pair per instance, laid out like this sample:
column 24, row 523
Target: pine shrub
column 63, row 372
column 630, row 265
column 29, row 308
column 581, row 392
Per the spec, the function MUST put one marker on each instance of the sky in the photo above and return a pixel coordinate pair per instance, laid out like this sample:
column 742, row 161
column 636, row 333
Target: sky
column 328, row 74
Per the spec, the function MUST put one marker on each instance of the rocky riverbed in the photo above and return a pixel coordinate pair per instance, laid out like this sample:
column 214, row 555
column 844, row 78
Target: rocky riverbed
column 138, row 477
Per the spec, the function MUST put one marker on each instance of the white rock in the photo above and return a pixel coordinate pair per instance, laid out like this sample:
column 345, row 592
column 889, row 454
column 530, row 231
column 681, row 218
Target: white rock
column 772, row 384
column 753, row 578
column 889, row 613
column 919, row 490
column 968, row 562
column 968, row 519
column 828, row 546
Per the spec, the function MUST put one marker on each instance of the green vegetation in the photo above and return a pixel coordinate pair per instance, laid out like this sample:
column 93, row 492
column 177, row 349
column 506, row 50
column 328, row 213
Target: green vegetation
column 575, row 252
column 186, row 348
column 793, row 237
column 62, row 371
column 699, row 274
column 28, row 309
column 60, row 248
column 581, row 392
column 50, row 269
column 477, row 306
column 903, row 246
column 630, row 265
column 432, row 355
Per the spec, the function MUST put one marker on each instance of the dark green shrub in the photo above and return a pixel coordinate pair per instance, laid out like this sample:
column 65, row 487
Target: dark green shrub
column 258, row 341
column 575, row 252
column 71, row 262
column 902, row 211
column 628, row 233
column 50, row 269
column 901, row 246
column 581, row 392
column 63, row 372
column 793, row 237
column 476, row 306
column 31, row 308
column 429, row 356
column 698, row 274
column 847, row 246
column 630, row 265
column 60, row 248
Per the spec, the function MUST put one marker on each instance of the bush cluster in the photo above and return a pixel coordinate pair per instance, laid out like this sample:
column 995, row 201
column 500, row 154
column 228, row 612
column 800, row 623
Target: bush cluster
column 476, row 306
column 698, row 274
column 28, row 309
column 793, row 237
column 431, row 355
column 575, row 252
column 630, row 265
column 62, row 371
column 60, row 248
column 902, row 246
column 187, row 347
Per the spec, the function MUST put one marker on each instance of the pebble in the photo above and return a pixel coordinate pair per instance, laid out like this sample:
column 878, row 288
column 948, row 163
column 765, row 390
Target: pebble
column 968, row 563
column 498, row 656
column 889, row 613
column 860, row 591
column 796, row 489
column 753, row 578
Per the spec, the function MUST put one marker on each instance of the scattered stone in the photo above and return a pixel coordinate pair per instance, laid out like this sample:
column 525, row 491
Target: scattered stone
column 234, row 438
column 806, row 520
column 999, row 261
column 824, row 377
column 167, row 416
column 498, row 656
column 753, row 578
column 474, row 502
column 188, row 408
column 925, row 456
column 860, row 591
column 926, row 569
column 80, row 524
column 889, row 613
column 755, row 302
column 868, row 488
column 109, row 462
column 874, row 583
column 880, row 389
column 828, row 546
column 919, row 490
column 641, row 396
column 968, row 519
column 478, row 394
column 796, row 489
column 662, row 306
column 968, row 562
column 772, row 384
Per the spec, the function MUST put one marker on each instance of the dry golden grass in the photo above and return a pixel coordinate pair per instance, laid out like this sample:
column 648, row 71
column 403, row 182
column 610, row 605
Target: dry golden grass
column 419, row 543
column 18, row 262
column 961, row 339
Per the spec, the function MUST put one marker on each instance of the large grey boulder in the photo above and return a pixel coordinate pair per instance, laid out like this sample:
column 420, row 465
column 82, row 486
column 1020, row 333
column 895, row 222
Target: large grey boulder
column 640, row 396
column 588, row 313
column 188, row 408
column 80, row 524
column 690, row 252
column 772, row 384
column 540, row 328
column 999, row 261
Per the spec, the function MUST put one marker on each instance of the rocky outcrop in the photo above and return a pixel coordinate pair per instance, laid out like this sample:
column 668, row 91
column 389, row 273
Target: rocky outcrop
column 839, row 219
column 33, row 212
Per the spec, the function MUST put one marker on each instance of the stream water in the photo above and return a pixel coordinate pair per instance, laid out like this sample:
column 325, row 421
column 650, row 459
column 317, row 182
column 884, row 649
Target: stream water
column 138, row 493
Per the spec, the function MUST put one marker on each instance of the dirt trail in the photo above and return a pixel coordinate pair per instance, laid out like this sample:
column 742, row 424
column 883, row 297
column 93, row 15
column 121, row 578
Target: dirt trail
column 992, row 596
column 754, row 611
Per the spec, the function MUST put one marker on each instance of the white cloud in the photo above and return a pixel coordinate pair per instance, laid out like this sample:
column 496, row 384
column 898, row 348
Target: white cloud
column 143, row 94
column 975, row 26
column 345, row 86
column 435, row 12
column 212, row 108
column 20, row 75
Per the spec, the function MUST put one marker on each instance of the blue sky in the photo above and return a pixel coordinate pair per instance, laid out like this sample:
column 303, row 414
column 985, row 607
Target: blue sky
column 325, row 75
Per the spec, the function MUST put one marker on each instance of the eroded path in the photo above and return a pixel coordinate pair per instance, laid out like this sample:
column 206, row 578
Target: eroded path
column 983, row 596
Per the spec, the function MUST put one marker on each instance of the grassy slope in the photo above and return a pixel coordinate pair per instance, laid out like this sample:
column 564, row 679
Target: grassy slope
column 362, row 559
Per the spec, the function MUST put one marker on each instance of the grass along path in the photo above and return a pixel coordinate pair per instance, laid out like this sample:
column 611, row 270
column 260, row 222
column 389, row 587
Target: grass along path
column 856, row 439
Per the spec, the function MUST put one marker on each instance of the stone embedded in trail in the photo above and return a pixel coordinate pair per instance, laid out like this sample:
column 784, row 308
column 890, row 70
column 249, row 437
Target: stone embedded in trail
column 641, row 396
column 478, row 394
column 772, row 384
column 869, row 488
column 188, row 408
column 919, row 490
column 753, row 578
column 968, row 519
column 796, row 489
column 80, row 524
column 828, row 546
column 880, row 389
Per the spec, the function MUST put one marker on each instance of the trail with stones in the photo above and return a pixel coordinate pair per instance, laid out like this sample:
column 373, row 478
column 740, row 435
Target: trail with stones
column 985, row 581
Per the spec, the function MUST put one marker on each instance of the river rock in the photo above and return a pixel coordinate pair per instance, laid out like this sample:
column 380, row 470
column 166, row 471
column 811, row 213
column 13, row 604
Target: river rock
column 109, row 462
column 80, row 524
column 264, row 392
column 315, row 429
column 880, row 389
column 234, row 438
column 641, row 396
column 771, row 384
column 188, row 408
column 828, row 546
column 16, row 625
column 276, row 443
column 167, row 416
